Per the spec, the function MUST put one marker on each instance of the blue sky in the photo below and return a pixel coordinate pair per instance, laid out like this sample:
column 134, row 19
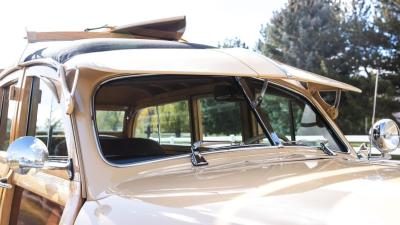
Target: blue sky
column 208, row 21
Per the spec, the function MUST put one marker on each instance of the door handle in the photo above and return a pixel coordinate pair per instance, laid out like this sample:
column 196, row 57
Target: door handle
column 4, row 184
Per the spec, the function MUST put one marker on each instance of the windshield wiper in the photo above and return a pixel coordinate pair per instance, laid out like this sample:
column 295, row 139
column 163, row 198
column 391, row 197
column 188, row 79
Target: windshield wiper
column 326, row 149
column 298, row 143
column 322, row 146
column 199, row 160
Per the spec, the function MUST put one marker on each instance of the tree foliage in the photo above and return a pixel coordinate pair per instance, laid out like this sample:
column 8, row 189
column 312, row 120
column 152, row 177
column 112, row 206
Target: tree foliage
column 110, row 121
column 348, row 41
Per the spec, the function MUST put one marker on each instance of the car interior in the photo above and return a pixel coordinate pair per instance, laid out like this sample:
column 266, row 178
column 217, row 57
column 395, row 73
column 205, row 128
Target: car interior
column 164, row 115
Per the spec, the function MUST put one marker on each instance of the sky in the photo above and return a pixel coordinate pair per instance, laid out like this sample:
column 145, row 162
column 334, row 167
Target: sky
column 208, row 21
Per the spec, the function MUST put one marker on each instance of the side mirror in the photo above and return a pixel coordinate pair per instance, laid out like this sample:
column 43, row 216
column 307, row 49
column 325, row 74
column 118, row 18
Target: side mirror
column 25, row 153
column 28, row 152
column 384, row 136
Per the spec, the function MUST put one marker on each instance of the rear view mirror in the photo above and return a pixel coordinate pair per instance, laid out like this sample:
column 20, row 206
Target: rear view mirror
column 27, row 153
column 384, row 135
column 228, row 93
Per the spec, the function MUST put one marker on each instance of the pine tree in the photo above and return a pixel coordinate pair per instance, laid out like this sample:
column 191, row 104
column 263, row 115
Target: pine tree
column 305, row 34
column 349, row 44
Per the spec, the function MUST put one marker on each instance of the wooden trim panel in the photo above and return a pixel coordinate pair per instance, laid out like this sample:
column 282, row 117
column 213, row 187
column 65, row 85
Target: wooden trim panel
column 50, row 187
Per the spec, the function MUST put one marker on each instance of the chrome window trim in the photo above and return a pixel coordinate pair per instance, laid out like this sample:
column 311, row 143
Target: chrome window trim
column 188, row 155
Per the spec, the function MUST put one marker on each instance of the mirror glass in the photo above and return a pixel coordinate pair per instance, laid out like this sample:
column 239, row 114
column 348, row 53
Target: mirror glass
column 384, row 135
column 25, row 153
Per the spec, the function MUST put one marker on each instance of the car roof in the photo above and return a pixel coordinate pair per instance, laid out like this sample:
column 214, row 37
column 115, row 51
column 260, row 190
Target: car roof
column 133, row 56
column 149, row 56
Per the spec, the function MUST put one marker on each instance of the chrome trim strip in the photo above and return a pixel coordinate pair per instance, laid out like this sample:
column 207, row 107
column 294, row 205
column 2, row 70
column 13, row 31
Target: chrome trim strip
column 46, row 62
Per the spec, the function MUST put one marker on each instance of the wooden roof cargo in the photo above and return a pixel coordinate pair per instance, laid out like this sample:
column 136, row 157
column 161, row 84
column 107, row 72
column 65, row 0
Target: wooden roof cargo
column 164, row 29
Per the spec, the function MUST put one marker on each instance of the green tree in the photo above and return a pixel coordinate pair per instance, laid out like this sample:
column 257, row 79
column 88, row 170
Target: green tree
column 305, row 34
column 110, row 121
column 372, row 38
column 174, row 118
column 348, row 44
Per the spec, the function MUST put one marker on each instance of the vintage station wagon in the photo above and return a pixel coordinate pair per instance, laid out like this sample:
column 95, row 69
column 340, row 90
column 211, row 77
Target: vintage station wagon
column 134, row 125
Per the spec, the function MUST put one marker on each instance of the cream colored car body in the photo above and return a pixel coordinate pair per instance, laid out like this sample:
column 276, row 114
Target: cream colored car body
column 262, row 185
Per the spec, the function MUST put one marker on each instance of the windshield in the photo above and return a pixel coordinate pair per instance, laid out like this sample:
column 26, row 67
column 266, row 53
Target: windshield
column 163, row 115
column 294, row 120
column 151, row 117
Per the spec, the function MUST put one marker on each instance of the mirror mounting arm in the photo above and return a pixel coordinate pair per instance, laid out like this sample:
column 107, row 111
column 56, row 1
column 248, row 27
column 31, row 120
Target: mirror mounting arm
column 60, row 165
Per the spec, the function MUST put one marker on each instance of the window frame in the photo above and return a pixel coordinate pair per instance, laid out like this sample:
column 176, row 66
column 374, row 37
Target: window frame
column 33, row 107
column 4, row 108
column 15, row 78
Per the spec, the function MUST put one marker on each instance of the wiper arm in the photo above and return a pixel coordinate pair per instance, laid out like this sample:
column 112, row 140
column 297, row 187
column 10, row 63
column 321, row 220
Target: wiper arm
column 196, row 158
column 322, row 146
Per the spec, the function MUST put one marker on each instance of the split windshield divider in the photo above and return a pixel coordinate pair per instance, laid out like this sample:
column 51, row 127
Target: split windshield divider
column 260, row 116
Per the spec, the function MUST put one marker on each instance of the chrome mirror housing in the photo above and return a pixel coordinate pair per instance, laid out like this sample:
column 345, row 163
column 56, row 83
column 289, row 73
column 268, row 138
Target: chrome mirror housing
column 384, row 136
column 26, row 153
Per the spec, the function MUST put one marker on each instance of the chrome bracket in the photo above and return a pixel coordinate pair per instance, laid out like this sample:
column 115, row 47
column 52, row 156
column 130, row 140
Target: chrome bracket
column 196, row 158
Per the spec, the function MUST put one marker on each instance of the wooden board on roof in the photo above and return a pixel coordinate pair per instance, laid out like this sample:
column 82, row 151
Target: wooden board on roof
column 164, row 29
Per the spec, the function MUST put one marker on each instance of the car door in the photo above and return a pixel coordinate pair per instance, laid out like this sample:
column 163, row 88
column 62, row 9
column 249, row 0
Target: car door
column 42, row 197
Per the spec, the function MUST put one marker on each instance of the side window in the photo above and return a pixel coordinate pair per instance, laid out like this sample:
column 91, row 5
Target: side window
column 110, row 121
column 8, row 110
column 220, row 120
column 45, row 119
column 166, row 124
column 284, row 115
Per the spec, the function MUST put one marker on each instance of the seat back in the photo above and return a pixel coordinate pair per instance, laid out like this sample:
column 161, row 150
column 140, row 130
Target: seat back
column 130, row 148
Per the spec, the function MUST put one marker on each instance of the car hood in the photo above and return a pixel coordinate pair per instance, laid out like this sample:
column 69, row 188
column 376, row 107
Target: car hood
column 313, row 191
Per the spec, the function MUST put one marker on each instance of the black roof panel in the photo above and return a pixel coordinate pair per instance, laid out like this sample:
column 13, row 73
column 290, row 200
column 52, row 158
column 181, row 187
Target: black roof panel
column 63, row 53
